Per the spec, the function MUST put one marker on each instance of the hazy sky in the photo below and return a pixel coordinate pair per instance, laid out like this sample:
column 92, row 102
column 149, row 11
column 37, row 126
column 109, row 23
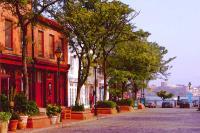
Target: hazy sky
column 174, row 24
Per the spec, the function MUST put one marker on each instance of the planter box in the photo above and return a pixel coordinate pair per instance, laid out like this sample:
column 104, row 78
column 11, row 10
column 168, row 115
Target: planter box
column 38, row 121
column 106, row 111
column 81, row 115
column 141, row 106
column 125, row 108
column 3, row 127
column 66, row 113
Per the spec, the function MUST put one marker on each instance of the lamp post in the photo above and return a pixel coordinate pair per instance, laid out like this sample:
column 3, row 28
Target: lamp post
column 189, row 85
column 95, row 87
column 58, row 54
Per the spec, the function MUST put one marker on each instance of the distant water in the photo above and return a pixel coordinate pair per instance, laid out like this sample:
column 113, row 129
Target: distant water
column 158, row 101
column 175, row 98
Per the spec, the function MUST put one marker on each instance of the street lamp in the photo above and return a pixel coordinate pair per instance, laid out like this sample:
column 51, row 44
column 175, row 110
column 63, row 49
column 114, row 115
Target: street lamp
column 58, row 54
column 95, row 87
column 189, row 85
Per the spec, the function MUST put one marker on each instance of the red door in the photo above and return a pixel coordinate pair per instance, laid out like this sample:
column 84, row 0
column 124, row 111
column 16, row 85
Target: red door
column 50, row 89
column 39, row 89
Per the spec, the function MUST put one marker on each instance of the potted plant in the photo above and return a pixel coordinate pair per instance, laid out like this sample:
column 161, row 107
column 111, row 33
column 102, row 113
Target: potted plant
column 4, row 118
column 106, row 107
column 13, row 122
column 32, row 108
column 52, row 113
column 21, row 106
column 59, row 110
column 125, row 105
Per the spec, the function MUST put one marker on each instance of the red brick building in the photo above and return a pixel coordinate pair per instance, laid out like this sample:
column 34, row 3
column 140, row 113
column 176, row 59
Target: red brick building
column 42, row 63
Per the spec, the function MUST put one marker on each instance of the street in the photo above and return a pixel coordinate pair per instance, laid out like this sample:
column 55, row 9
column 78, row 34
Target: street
column 156, row 120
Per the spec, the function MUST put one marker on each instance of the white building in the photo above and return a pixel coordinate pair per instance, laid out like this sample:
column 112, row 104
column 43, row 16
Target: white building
column 72, row 83
column 87, row 91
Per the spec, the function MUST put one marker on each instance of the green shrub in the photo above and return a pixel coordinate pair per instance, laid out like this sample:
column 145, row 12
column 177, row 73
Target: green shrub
column 52, row 110
column 4, row 103
column 23, row 106
column 59, row 109
column 15, row 116
column 106, row 104
column 125, row 102
column 78, row 107
column 5, row 116
column 32, row 108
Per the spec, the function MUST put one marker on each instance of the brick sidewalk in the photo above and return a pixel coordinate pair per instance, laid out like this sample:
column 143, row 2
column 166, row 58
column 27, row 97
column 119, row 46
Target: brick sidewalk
column 64, row 123
column 67, row 123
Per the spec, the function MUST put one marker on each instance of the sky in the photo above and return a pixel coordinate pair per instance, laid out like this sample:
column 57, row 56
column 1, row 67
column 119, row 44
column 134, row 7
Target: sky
column 174, row 24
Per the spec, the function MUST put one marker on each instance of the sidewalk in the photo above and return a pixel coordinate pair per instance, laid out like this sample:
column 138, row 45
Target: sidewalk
column 67, row 123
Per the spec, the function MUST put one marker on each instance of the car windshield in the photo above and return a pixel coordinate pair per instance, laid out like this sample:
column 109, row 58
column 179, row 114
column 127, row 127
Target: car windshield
column 166, row 102
column 184, row 100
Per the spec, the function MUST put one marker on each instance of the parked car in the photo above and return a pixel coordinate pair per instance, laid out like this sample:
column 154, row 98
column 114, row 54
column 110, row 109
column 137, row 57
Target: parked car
column 151, row 105
column 167, row 104
column 195, row 103
column 184, row 103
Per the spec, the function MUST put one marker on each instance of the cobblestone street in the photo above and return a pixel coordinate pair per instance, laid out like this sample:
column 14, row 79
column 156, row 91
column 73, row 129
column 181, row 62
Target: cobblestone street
column 144, row 121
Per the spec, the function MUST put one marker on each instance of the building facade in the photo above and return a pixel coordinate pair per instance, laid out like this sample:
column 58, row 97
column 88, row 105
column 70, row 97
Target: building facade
column 72, row 83
column 87, row 91
column 43, row 39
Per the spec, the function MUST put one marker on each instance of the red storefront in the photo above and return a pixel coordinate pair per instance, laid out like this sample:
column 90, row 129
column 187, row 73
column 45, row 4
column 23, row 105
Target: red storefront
column 43, row 69
column 43, row 89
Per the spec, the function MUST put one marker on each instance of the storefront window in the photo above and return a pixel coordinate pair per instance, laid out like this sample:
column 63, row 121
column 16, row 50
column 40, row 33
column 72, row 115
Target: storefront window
column 40, row 43
column 51, row 46
column 8, row 34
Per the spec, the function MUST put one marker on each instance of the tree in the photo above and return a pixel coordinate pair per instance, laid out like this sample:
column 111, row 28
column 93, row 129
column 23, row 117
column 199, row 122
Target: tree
column 116, row 17
column 88, row 24
column 143, row 60
column 118, row 82
column 27, row 12
column 164, row 95
column 81, row 25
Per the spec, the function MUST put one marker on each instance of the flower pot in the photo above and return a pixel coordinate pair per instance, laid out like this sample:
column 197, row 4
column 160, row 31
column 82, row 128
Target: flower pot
column 53, row 120
column 58, row 118
column 3, row 127
column 13, row 125
column 23, row 122
column 20, row 125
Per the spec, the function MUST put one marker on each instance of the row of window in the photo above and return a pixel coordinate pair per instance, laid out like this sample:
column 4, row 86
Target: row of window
column 40, row 41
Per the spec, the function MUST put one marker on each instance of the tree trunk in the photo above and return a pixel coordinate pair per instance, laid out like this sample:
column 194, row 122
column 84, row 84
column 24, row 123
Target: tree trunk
column 135, row 92
column 78, row 95
column 122, row 93
column 24, row 61
column 105, row 80
column 79, row 83
column 123, row 87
